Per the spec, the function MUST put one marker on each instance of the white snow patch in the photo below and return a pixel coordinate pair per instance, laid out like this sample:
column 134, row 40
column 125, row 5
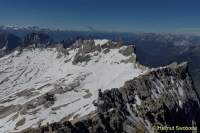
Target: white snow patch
column 138, row 100
column 16, row 52
column 100, row 41
column 180, row 103
column 180, row 91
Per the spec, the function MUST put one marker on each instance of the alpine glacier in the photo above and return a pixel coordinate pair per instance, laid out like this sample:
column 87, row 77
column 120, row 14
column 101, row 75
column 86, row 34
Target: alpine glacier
column 70, row 77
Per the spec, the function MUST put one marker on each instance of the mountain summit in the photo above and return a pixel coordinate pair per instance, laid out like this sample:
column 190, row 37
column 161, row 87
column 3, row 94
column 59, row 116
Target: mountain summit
column 42, row 86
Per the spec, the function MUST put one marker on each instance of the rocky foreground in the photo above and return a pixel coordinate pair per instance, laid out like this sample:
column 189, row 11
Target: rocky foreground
column 163, row 96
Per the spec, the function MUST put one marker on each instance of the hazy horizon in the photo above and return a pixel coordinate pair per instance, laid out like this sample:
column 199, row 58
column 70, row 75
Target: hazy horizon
column 176, row 16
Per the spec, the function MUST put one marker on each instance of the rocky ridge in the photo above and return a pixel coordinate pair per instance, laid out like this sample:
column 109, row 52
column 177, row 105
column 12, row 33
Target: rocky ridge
column 11, row 42
column 45, row 85
column 164, row 96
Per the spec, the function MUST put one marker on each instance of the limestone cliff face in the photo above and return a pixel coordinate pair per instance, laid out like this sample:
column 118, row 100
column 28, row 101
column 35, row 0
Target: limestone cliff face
column 86, row 47
column 8, row 42
column 37, row 40
column 163, row 96
column 11, row 42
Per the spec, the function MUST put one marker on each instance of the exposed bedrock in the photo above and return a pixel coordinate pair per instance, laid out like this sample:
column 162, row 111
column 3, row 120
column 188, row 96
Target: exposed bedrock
column 163, row 96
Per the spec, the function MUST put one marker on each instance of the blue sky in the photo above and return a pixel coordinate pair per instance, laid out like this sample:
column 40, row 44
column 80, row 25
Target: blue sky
column 104, row 15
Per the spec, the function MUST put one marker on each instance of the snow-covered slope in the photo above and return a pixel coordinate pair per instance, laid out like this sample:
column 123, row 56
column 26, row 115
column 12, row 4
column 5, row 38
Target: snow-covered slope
column 71, row 76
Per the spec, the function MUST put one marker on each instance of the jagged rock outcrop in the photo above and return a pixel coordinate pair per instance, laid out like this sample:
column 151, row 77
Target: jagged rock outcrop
column 37, row 40
column 86, row 47
column 163, row 96
column 8, row 42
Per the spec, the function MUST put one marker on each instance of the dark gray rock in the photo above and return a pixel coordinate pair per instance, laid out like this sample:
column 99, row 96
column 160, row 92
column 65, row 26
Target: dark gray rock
column 79, row 59
column 106, row 51
column 8, row 42
column 164, row 96
column 85, row 47
column 37, row 40
column 128, row 50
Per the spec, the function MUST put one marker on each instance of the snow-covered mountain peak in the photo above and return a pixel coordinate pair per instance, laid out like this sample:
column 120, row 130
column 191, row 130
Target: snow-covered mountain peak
column 40, row 85
column 100, row 49
column 95, row 42
column 101, row 41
